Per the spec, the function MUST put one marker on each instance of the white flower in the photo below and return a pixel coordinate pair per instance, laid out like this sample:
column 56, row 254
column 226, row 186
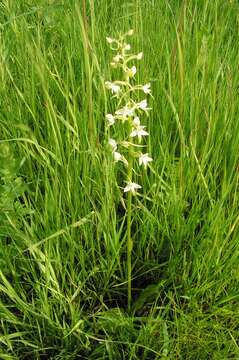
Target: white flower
column 125, row 111
column 133, row 187
column 139, row 131
column 113, row 144
column 113, row 87
column 110, row 118
column 139, row 56
column 131, row 72
column 143, row 105
column 144, row 159
column 127, row 47
column 146, row 88
column 130, row 32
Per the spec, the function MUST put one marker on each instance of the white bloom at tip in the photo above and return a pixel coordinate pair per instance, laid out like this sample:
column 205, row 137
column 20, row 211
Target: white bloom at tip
column 130, row 32
column 132, row 187
column 144, row 159
column 113, row 144
column 146, row 88
column 127, row 47
column 113, row 87
column 110, row 118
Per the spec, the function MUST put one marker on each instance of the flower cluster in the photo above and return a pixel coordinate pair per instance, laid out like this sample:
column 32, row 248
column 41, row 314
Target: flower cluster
column 129, row 109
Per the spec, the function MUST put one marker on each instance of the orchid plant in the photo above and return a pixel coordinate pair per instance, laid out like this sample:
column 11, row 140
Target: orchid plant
column 128, row 115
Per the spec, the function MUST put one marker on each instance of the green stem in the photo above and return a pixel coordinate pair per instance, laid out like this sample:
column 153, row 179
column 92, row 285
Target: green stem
column 129, row 238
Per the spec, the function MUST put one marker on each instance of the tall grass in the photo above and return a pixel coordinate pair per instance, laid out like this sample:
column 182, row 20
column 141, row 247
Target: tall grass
column 62, row 229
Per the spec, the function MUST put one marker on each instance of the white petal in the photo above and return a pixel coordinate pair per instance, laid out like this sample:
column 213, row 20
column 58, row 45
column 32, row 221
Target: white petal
column 146, row 89
column 136, row 186
column 134, row 133
column 142, row 105
column 125, row 111
column 139, row 132
column 132, row 187
column 144, row 159
column 115, row 88
column 142, row 132
column 117, row 156
column 133, row 69
column 113, row 144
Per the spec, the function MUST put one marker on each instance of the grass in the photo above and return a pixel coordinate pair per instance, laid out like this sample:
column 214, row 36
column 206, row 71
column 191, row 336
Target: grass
column 63, row 293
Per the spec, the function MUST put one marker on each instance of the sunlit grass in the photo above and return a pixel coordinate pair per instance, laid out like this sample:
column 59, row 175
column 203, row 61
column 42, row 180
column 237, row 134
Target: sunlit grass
column 63, row 288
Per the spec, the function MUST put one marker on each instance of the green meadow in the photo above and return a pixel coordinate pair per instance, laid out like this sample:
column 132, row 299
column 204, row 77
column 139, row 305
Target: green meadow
column 64, row 223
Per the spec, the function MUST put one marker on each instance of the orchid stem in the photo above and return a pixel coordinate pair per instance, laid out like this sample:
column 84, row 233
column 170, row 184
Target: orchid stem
column 129, row 238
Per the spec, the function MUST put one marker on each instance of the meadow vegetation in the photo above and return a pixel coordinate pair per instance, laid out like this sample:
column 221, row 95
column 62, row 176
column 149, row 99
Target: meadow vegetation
column 63, row 226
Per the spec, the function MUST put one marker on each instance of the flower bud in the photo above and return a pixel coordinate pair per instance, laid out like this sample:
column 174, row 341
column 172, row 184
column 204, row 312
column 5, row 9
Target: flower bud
column 117, row 58
column 132, row 71
column 139, row 56
column 109, row 40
